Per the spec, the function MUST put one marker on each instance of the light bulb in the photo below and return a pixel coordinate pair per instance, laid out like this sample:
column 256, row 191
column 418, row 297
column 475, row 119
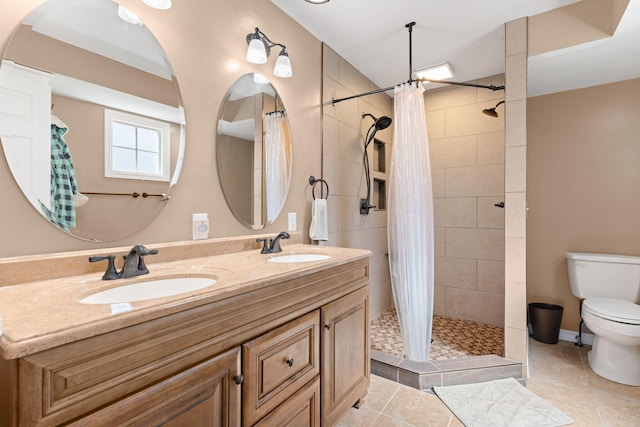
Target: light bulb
column 256, row 52
column 128, row 16
column 260, row 79
column 158, row 4
column 283, row 66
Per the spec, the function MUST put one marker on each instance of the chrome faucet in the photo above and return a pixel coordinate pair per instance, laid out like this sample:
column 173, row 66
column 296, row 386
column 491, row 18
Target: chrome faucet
column 133, row 263
column 272, row 246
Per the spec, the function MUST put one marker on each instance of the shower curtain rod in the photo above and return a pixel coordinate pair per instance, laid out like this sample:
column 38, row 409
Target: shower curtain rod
column 492, row 87
column 409, row 26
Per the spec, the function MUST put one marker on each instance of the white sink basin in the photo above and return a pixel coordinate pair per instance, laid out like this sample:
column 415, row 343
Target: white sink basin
column 150, row 289
column 298, row 258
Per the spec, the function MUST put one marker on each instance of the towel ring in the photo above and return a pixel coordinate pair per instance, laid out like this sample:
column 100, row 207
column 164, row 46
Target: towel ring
column 313, row 181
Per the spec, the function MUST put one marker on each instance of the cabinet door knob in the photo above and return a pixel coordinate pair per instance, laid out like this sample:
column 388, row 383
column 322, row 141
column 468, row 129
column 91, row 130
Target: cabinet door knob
column 238, row 379
column 290, row 361
column 327, row 326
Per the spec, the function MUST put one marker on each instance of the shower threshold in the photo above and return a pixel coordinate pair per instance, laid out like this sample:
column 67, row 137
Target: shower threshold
column 424, row 375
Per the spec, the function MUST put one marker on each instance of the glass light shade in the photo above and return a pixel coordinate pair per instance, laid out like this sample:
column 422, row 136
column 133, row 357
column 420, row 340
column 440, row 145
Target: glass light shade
column 256, row 53
column 128, row 16
column 158, row 4
column 317, row 1
column 283, row 66
column 260, row 79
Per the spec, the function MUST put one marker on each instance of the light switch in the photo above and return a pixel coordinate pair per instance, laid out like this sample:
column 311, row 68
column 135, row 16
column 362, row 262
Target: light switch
column 293, row 221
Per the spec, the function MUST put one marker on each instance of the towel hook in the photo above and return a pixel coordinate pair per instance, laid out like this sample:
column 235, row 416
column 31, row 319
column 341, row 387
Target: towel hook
column 313, row 181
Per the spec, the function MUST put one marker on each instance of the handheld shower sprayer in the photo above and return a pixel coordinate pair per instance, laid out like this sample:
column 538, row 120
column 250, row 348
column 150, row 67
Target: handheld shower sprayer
column 381, row 123
column 378, row 124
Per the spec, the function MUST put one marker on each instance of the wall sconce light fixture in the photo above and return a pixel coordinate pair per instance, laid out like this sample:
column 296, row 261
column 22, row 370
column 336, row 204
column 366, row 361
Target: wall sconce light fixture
column 260, row 48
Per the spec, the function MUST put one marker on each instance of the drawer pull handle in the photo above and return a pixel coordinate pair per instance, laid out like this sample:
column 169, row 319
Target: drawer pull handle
column 290, row 361
column 238, row 379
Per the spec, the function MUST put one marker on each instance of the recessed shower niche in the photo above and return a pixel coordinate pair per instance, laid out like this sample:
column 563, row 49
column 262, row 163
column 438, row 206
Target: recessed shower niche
column 379, row 174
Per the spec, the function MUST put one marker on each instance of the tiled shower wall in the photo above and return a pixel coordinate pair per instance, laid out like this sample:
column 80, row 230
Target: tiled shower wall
column 342, row 148
column 467, row 167
column 467, row 160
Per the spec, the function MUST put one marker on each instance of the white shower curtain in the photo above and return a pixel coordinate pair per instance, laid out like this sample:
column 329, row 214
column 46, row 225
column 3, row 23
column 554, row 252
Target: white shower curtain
column 276, row 164
column 410, row 222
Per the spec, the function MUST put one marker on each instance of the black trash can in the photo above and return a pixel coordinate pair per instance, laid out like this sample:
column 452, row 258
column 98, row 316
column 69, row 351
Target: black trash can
column 545, row 321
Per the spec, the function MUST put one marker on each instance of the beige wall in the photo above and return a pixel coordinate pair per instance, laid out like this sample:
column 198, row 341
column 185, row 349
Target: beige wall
column 466, row 150
column 343, row 142
column 205, row 43
column 583, row 179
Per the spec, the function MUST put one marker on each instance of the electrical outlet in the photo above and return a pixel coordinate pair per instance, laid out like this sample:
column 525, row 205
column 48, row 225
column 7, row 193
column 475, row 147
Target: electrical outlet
column 200, row 226
column 293, row 221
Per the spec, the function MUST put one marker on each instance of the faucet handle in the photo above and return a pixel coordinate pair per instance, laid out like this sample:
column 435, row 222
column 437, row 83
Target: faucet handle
column 142, row 268
column 265, row 245
column 111, row 273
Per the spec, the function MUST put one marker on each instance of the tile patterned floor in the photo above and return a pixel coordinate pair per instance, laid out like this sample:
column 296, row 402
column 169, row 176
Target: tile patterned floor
column 452, row 338
column 560, row 374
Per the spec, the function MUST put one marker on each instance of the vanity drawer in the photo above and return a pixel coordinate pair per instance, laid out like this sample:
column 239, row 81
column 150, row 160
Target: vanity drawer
column 277, row 364
column 301, row 409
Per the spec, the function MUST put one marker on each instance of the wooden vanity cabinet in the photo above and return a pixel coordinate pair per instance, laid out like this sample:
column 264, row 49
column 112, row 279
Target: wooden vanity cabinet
column 299, row 349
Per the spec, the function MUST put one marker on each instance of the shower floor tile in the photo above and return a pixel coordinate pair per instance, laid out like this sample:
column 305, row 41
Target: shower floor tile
column 452, row 338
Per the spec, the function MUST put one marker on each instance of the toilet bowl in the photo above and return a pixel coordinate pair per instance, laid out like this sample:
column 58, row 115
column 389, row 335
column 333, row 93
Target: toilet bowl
column 609, row 287
column 615, row 354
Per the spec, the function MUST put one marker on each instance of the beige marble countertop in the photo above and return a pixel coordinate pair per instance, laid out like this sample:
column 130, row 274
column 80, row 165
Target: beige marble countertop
column 44, row 314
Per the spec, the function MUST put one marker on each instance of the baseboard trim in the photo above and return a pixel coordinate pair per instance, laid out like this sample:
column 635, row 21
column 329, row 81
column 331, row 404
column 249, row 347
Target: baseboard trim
column 566, row 335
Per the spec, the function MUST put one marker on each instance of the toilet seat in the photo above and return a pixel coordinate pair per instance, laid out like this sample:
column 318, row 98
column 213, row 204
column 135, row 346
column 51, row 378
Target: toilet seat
column 613, row 309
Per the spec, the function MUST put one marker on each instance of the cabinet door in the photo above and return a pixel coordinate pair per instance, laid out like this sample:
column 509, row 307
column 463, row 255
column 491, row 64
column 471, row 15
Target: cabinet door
column 345, row 354
column 205, row 395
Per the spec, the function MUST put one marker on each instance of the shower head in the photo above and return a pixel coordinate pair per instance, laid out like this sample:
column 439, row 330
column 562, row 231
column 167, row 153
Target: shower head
column 381, row 123
column 492, row 111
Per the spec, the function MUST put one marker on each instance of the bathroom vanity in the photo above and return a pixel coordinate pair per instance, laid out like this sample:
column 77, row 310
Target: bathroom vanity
column 268, row 344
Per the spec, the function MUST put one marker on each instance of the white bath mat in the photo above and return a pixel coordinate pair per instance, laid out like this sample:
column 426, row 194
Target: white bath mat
column 498, row 403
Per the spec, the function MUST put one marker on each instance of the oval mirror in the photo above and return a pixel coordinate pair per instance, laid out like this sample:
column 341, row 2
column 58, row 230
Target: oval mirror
column 253, row 151
column 91, row 118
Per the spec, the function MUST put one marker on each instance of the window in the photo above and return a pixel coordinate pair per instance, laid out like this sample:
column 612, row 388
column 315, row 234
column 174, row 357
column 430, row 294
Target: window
column 136, row 147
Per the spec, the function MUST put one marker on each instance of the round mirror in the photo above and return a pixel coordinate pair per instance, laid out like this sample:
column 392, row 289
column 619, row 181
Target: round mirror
column 253, row 151
column 91, row 118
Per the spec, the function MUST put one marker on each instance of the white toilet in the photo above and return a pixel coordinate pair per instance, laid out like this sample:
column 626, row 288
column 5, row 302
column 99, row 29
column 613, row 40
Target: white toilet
column 610, row 287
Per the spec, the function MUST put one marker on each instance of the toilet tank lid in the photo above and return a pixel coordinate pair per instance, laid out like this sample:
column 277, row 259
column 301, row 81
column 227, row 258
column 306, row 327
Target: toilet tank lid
column 621, row 259
column 614, row 309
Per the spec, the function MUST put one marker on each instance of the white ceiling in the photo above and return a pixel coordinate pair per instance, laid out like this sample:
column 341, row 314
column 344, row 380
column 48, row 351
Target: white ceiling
column 94, row 25
column 469, row 34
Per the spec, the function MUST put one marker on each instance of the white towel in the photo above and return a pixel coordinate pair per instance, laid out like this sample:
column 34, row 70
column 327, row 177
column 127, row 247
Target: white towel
column 319, row 229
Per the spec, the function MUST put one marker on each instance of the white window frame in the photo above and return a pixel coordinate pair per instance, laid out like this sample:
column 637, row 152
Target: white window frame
column 163, row 128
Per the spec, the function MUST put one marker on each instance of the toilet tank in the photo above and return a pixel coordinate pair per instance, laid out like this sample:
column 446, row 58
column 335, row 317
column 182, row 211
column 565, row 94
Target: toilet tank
column 604, row 275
